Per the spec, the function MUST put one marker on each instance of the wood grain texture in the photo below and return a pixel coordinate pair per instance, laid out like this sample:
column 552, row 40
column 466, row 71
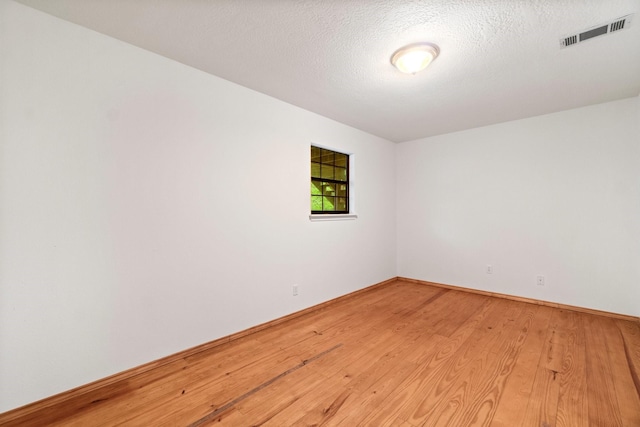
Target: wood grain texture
column 528, row 300
column 402, row 354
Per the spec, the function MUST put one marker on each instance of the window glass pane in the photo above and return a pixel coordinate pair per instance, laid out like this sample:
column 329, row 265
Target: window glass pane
column 328, row 203
column 341, row 160
column 328, row 157
column 316, row 203
column 328, row 189
column 327, row 171
column 315, row 170
column 329, row 181
column 316, row 187
column 315, row 154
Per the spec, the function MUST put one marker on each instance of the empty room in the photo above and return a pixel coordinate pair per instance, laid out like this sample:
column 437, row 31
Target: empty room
column 296, row 213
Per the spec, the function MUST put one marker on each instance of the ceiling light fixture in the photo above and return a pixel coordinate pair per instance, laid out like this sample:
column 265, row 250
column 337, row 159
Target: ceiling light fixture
column 414, row 57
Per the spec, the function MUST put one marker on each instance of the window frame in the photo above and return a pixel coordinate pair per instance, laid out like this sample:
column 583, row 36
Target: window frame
column 336, row 215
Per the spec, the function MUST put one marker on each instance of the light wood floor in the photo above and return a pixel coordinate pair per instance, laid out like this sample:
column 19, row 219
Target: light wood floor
column 404, row 354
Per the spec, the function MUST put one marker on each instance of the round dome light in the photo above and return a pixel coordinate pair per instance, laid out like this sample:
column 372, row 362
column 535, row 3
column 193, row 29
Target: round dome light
column 414, row 57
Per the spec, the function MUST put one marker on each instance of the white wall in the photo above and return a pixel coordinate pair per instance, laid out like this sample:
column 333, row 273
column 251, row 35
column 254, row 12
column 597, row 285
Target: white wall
column 557, row 195
column 147, row 207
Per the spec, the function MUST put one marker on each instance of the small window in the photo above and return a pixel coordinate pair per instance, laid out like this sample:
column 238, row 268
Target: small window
column 329, row 181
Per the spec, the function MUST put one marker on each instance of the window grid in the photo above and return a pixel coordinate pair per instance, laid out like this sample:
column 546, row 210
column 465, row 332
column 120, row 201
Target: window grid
column 329, row 181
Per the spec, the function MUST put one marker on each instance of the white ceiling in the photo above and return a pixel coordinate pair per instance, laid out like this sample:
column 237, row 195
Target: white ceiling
column 500, row 60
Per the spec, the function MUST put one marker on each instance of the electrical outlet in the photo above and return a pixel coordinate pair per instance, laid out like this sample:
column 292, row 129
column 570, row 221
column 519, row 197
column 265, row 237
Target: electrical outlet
column 489, row 269
column 540, row 280
column 295, row 290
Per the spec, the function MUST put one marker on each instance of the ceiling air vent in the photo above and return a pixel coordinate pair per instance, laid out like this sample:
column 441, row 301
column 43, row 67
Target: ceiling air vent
column 600, row 30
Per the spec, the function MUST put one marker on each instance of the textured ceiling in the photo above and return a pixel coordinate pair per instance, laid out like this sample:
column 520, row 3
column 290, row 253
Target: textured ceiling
column 500, row 60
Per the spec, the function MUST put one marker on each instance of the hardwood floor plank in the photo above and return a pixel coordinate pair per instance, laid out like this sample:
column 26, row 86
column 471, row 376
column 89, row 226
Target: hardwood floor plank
column 206, row 395
column 398, row 422
column 542, row 408
column 312, row 401
column 603, row 402
column 359, row 354
column 623, row 376
column 378, row 383
column 519, row 385
column 543, row 404
column 466, row 306
column 630, row 332
column 262, row 407
column 475, row 391
column 326, row 408
column 573, row 406
column 432, row 372
column 480, row 402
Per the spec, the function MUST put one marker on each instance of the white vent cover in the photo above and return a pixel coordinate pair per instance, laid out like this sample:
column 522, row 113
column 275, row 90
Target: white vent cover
column 600, row 30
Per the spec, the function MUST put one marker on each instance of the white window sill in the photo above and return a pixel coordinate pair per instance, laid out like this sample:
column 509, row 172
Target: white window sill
column 332, row 217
